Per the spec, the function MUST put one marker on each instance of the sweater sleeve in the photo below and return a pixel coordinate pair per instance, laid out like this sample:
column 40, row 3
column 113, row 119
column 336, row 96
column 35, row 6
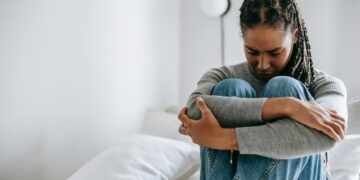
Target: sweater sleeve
column 229, row 111
column 286, row 138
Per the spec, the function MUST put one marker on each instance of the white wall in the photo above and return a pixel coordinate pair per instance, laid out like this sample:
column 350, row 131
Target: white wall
column 343, row 42
column 77, row 75
column 199, row 45
column 333, row 28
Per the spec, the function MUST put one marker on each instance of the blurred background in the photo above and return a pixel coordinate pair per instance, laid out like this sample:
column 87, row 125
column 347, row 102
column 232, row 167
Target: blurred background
column 78, row 75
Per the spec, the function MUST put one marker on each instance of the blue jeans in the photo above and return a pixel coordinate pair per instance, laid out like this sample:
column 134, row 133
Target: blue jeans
column 215, row 164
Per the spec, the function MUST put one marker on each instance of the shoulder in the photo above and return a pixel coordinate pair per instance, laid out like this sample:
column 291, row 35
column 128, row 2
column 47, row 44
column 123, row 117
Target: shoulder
column 325, row 83
column 224, row 72
column 322, row 78
column 239, row 68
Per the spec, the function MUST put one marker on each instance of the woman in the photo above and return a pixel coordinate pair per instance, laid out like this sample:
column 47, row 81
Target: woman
column 273, row 117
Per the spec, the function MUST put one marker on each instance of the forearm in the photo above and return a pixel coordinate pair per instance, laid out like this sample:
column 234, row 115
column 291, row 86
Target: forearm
column 231, row 112
column 282, row 139
column 298, row 131
column 272, row 109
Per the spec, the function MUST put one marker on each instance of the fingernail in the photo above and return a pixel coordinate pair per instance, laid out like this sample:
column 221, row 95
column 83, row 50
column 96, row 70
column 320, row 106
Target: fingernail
column 199, row 99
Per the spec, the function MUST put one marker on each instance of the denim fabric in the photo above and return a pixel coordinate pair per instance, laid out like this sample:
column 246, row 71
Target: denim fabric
column 215, row 164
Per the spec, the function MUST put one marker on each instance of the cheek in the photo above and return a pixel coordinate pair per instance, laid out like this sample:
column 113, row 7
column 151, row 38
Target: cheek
column 251, row 59
column 281, row 61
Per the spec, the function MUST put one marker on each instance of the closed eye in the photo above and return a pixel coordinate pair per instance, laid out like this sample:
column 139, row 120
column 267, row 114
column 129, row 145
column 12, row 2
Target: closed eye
column 274, row 53
column 254, row 53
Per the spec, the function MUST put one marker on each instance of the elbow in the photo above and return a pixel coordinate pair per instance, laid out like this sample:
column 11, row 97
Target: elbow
column 327, row 143
column 193, row 111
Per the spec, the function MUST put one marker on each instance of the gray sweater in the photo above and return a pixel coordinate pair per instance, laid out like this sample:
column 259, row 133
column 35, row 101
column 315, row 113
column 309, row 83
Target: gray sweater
column 281, row 139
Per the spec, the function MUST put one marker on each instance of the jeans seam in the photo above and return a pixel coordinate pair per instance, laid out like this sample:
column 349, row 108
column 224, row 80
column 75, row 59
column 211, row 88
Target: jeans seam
column 269, row 169
column 210, row 159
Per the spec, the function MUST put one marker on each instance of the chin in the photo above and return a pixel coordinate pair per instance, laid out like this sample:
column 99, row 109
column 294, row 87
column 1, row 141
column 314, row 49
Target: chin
column 265, row 78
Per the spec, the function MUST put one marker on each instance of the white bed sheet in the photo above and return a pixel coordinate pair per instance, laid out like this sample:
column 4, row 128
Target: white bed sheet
column 195, row 176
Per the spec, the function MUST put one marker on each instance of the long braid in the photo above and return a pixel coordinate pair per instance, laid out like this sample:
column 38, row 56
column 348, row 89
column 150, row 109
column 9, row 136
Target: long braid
column 301, row 66
column 284, row 14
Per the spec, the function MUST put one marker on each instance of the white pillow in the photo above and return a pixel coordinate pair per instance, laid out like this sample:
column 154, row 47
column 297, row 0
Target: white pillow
column 345, row 159
column 142, row 157
column 163, row 124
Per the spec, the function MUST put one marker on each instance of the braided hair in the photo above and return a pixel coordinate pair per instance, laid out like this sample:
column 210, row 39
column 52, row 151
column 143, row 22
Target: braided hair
column 283, row 14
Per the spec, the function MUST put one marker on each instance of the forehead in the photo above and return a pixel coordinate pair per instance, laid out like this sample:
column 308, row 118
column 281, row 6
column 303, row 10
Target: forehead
column 266, row 38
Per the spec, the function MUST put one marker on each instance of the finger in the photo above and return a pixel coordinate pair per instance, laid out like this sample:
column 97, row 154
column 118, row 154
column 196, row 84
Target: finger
column 337, row 116
column 329, row 132
column 202, row 105
column 184, row 118
column 332, row 111
column 184, row 131
column 183, row 125
column 338, row 129
column 183, row 111
column 340, row 122
column 181, row 130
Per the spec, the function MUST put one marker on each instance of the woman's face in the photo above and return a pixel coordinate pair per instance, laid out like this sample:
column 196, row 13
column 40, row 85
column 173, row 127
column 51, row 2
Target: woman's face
column 268, row 50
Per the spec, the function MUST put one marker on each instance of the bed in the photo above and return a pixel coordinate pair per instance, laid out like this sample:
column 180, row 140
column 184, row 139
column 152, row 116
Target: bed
column 159, row 152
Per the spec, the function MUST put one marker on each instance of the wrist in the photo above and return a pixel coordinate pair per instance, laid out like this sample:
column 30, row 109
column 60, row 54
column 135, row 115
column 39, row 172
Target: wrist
column 232, row 140
column 275, row 108
column 291, row 106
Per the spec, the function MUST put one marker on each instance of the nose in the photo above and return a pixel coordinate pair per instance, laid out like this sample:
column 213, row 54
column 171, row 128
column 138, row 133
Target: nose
column 263, row 63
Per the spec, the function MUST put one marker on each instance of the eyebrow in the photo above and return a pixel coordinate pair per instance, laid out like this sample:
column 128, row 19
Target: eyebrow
column 272, row 50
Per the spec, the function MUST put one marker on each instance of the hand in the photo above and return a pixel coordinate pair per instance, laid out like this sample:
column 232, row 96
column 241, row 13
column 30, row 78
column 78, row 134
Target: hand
column 207, row 131
column 314, row 116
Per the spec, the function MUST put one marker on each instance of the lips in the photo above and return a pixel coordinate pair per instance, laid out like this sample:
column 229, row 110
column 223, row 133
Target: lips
column 265, row 74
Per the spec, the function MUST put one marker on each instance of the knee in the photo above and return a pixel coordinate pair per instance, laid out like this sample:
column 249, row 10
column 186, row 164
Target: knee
column 285, row 86
column 284, row 83
column 234, row 87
